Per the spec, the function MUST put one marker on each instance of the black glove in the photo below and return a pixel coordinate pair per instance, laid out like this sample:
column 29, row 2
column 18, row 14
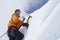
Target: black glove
column 26, row 25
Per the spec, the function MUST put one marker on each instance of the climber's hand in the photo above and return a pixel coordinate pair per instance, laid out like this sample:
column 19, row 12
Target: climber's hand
column 26, row 25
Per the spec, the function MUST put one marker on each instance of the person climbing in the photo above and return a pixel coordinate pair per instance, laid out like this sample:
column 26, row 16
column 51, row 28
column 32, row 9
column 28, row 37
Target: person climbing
column 15, row 24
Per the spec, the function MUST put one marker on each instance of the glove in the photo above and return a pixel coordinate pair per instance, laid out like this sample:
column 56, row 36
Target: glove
column 26, row 25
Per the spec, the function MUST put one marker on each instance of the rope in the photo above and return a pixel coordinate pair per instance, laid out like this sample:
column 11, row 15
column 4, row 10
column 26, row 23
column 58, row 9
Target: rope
column 3, row 35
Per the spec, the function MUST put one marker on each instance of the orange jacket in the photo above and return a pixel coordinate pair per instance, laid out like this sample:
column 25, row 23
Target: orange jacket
column 15, row 22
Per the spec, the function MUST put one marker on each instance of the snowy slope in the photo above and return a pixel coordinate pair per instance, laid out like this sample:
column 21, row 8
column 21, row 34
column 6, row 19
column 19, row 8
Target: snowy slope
column 38, row 18
column 37, row 31
column 51, row 27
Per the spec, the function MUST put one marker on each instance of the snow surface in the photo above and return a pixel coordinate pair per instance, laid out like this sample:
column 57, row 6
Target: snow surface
column 44, row 24
column 36, row 30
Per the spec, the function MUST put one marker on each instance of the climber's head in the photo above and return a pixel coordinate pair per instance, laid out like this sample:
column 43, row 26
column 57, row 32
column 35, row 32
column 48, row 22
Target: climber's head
column 17, row 11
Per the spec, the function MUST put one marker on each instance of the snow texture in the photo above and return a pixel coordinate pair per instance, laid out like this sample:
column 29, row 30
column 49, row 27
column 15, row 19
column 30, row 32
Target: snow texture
column 44, row 24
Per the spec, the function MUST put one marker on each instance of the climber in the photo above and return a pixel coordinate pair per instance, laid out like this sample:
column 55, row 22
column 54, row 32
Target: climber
column 15, row 24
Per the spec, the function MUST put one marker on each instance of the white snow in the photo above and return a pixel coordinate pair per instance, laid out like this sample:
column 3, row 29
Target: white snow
column 36, row 30
column 44, row 24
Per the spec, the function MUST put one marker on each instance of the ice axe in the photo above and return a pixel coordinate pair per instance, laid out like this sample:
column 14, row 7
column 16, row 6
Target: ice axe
column 29, row 18
column 27, row 24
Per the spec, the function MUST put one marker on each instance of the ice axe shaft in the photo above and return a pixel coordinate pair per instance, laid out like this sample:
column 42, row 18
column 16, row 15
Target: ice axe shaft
column 29, row 18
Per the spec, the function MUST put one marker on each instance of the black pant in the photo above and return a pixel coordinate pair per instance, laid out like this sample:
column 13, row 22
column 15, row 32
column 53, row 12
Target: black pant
column 16, row 35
